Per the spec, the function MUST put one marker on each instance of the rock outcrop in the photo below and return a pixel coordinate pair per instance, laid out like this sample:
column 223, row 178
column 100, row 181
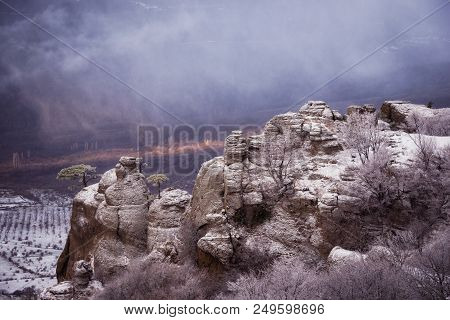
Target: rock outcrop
column 365, row 108
column 397, row 114
column 164, row 222
column 115, row 221
column 278, row 192
column 339, row 256
column 81, row 286
column 268, row 187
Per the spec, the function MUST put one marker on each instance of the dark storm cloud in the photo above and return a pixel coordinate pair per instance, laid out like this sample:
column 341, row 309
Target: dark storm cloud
column 209, row 61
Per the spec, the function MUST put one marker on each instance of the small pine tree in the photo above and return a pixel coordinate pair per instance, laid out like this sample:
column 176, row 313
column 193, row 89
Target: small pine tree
column 81, row 172
column 156, row 180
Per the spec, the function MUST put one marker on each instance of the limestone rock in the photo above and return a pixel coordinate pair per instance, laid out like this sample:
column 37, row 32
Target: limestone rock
column 272, row 192
column 235, row 148
column 129, row 190
column 60, row 291
column 165, row 218
column 208, row 192
column 83, row 228
column 107, row 179
column 256, row 194
column 397, row 113
column 366, row 108
column 339, row 255
column 108, row 225
column 81, row 286
column 316, row 109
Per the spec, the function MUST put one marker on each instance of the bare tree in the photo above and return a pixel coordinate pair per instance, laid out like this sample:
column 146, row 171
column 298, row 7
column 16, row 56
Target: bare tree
column 429, row 184
column 279, row 154
column 380, row 187
column 361, row 132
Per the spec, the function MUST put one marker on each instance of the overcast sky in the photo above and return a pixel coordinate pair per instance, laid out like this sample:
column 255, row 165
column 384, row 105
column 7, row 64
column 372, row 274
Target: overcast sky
column 212, row 60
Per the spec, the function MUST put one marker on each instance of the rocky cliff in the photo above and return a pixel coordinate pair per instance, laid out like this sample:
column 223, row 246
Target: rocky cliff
column 399, row 115
column 280, row 193
column 115, row 221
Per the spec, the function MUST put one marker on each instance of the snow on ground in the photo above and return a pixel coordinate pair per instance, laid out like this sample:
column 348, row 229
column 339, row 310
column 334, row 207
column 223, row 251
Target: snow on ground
column 403, row 145
column 32, row 236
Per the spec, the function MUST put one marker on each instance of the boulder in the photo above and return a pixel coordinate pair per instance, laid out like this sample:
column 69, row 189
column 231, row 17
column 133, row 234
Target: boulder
column 340, row 256
column 81, row 286
column 107, row 179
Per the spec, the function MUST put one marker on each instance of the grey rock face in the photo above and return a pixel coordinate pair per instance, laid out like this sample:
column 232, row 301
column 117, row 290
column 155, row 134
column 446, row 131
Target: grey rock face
column 81, row 286
column 165, row 218
column 107, row 179
column 236, row 148
column 396, row 114
column 115, row 222
column 83, row 227
column 261, row 193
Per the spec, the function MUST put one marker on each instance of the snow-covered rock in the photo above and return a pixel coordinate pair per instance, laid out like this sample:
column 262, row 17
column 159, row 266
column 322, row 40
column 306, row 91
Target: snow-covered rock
column 397, row 114
column 269, row 186
column 339, row 255
column 115, row 222
column 279, row 192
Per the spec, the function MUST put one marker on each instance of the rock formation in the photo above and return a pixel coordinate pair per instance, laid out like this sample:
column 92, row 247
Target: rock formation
column 267, row 191
column 114, row 222
column 397, row 113
column 81, row 286
column 276, row 192
column 366, row 108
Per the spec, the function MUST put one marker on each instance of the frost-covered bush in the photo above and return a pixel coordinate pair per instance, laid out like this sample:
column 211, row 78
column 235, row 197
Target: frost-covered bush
column 431, row 268
column 286, row 279
column 362, row 133
column 147, row 280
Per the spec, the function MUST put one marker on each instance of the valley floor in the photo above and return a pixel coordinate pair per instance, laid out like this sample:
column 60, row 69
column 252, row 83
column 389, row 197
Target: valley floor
column 32, row 236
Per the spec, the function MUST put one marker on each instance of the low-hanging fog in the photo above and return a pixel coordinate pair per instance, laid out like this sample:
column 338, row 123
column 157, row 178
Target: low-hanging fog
column 207, row 61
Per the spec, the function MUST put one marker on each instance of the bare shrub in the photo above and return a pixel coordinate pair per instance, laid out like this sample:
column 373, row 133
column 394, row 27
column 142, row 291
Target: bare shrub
column 361, row 132
column 435, row 126
column 247, row 260
column 381, row 188
column 285, row 280
column 426, row 151
column 161, row 281
column 431, row 271
column 373, row 279
column 428, row 183
column 279, row 153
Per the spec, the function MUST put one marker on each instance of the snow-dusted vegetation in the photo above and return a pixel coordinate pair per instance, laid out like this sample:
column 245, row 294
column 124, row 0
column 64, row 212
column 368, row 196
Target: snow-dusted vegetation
column 32, row 236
